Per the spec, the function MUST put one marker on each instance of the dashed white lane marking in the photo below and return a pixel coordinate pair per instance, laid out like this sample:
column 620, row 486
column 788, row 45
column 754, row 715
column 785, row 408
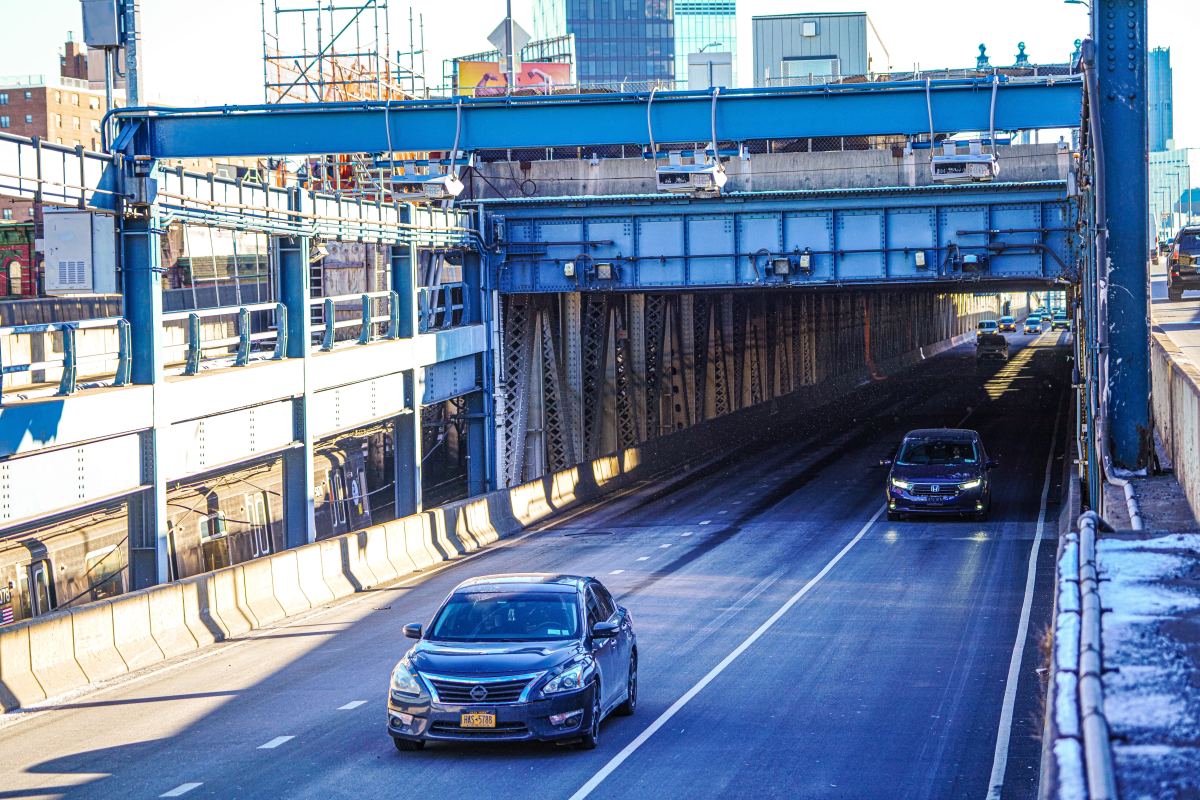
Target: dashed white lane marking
column 686, row 533
column 181, row 790
column 663, row 546
column 706, row 522
column 736, row 503
column 643, row 558
column 1004, row 732
column 722, row 512
column 353, row 704
column 616, row 572
column 278, row 740
column 687, row 697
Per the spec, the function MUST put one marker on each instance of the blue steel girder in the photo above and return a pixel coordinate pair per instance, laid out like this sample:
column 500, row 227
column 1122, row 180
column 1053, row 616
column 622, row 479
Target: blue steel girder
column 597, row 119
column 1020, row 231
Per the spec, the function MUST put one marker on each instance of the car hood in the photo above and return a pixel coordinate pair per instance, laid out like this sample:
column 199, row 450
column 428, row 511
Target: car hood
column 491, row 658
column 936, row 472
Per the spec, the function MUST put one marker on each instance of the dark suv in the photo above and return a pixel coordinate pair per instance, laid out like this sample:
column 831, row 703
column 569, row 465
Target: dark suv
column 1183, row 262
column 939, row 471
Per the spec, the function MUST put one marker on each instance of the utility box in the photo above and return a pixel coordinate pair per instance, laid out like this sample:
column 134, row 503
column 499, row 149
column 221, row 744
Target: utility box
column 100, row 28
column 81, row 253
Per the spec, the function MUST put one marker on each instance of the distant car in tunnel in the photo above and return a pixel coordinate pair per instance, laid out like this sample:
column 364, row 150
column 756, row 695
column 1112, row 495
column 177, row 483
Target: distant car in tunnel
column 991, row 346
column 1033, row 324
column 939, row 471
column 524, row 657
column 986, row 326
column 1060, row 322
column 1008, row 324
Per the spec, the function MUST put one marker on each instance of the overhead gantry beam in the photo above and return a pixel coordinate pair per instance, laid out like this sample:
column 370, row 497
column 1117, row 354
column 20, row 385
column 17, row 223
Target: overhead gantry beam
column 484, row 123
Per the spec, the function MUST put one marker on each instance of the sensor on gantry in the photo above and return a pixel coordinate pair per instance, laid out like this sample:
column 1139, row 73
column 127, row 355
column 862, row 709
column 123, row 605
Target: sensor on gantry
column 704, row 175
column 951, row 166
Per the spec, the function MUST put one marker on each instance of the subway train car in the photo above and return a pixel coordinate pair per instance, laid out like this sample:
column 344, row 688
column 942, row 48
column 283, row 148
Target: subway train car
column 213, row 521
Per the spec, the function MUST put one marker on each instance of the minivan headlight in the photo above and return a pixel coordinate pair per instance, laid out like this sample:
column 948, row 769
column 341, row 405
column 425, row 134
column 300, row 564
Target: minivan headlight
column 975, row 484
column 899, row 484
column 404, row 682
column 568, row 680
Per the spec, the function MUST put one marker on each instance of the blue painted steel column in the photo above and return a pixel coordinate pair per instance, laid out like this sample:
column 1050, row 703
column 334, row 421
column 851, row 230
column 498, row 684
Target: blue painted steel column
column 149, row 543
column 298, row 495
column 1119, row 31
column 478, row 299
column 407, row 432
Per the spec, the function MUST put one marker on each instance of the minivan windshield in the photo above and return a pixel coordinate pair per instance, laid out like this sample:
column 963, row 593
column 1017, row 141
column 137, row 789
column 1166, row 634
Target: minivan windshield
column 506, row 617
column 927, row 452
column 987, row 324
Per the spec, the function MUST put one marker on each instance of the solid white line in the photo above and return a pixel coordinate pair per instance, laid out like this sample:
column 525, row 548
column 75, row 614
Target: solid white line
column 643, row 558
column 706, row 522
column 353, row 704
column 686, row 533
column 663, row 546
column 278, row 740
column 1004, row 732
column 687, row 697
column 616, row 572
column 181, row 790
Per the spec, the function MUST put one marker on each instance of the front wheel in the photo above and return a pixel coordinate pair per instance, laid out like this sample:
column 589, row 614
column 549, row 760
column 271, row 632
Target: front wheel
column 1174, row 295
column 591, row 738
column 627, row 708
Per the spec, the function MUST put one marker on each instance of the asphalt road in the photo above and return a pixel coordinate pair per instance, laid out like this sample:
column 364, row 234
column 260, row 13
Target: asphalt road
column 794, row 643
column 1179, row 320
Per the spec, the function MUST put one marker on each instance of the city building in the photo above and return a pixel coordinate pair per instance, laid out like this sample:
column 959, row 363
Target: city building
column 705, row 37
column 802, row 49
column 630, row 43
column 1172, row 203
column 58, row 109
column 1159, row 99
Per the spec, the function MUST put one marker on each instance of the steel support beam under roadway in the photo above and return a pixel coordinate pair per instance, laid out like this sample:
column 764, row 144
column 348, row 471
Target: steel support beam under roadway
column 559, row 121
column 1119, row 31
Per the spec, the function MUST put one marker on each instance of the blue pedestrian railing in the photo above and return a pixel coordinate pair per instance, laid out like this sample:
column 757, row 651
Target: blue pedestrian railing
column 440, row 307
column 376, row 315
column 271, row 319
column 72, row 362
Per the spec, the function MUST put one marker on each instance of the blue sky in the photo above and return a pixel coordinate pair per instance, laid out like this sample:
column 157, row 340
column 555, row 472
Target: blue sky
column 210, row 52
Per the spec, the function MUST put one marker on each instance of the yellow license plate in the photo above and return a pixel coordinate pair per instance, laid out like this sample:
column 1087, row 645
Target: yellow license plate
column 478, row 720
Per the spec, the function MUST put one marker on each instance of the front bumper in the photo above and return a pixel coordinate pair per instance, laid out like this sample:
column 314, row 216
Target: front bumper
column 964, row 501
column 515, row 722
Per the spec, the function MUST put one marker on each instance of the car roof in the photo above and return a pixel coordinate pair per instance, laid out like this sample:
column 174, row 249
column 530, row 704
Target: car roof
column 525, row 582
column 951, row 434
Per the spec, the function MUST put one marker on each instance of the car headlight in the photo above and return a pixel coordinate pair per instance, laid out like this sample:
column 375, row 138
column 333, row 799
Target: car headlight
column 899, row 484
column 975, row 484
column 404, row 682
column 568, row 680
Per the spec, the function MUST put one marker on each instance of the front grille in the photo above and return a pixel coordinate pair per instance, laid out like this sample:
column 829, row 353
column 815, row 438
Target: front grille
column 465, row 692
column 942, row 488
column 501, row 731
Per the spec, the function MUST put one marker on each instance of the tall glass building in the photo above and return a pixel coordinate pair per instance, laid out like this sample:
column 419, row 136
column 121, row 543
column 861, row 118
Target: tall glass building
column 1158, row 80
column 704, row 26
column 616, row 41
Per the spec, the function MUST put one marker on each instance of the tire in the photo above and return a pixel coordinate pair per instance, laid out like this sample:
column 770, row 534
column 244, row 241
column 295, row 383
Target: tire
column 627, row 708
column 408, row 745
column 591, row 738
column 1174, row 295
column 894, row 516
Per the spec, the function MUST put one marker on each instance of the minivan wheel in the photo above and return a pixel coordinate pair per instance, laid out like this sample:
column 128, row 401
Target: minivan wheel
column 591, row 738
column 630, row 705
column 408, row 745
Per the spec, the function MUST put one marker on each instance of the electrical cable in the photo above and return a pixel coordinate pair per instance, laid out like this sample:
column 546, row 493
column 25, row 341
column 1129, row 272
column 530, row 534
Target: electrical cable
column 929, row 110
column 650, row 126
column 992, row 115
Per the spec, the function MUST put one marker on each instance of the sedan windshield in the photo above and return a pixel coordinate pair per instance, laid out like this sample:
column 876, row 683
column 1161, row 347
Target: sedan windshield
column 922, row 452
column 987, row 324
column 1189, row 243
column 506, row 617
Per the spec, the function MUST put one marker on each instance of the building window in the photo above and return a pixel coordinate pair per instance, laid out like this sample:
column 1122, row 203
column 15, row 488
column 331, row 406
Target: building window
column 7, row 213
column 28, row 95
column 4, row 122
column 58, row 97
column 58, row 120
column 75, row 123
column 96, row 125
column 94, row 104
column 3, row 98
column 74, row 99
column 808, row 27
column 29, row 119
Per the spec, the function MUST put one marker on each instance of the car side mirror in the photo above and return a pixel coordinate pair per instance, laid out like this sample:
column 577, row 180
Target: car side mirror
column 992, row 463
column 885, row 462
column 413, row 630
column 604, row 630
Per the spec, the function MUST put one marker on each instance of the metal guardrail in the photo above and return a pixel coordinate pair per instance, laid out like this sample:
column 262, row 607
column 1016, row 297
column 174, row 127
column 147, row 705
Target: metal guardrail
column 197, row 345
column 1082, row 746
column 366, row 319
column 71, row 359
column 440, row 307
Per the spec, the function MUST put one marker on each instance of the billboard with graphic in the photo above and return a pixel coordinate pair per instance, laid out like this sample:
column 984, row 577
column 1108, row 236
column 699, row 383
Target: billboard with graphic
column 487, row 78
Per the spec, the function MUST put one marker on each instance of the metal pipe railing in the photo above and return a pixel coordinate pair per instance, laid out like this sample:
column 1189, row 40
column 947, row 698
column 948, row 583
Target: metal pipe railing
column 366, row 319
column 440, row 307
column 71, row 358
column 196, row 344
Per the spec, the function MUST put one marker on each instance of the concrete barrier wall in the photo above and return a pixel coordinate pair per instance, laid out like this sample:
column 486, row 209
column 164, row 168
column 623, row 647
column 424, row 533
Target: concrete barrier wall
column 1176, row 398
column 63, row 651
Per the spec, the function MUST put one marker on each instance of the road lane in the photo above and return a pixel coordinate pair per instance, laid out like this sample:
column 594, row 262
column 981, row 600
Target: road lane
column 918, row 616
